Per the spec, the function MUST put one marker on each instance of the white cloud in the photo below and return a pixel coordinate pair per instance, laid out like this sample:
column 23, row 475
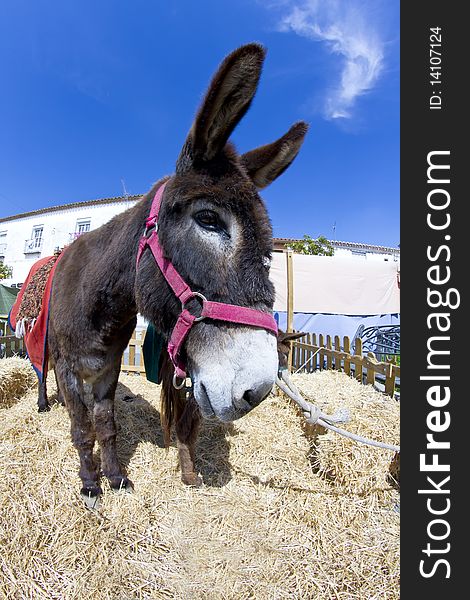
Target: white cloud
column 347, row 28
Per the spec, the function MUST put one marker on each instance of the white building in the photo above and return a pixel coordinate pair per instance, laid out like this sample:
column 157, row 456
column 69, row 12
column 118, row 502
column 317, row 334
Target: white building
column 26, row 237
column 367, row 251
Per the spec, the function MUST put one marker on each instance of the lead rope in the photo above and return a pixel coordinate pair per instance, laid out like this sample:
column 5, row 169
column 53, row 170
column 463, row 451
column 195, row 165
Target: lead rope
column 314, row 415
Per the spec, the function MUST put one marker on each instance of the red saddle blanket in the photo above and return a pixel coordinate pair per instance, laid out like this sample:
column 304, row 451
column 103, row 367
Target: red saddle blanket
column 29, row 315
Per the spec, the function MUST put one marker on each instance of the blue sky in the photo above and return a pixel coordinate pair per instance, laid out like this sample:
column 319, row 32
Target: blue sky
column 96, row 92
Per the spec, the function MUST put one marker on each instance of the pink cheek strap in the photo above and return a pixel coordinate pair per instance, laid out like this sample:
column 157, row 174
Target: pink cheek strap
column 218, row 311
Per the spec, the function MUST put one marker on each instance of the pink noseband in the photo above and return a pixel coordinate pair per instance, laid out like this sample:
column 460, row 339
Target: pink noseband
column 211, row 310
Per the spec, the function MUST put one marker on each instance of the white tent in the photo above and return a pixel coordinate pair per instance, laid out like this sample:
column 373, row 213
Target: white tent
column 343, row 286
column 335, row 295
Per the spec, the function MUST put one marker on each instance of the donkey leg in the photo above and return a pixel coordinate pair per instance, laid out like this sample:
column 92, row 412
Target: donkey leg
column 60, row 398
column 82, row 430
column 187, row 428
column 43, row 403
column 105, row 427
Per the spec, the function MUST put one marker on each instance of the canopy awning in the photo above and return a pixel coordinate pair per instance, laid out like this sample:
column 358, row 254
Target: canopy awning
column 7, row 299
column 337, row 285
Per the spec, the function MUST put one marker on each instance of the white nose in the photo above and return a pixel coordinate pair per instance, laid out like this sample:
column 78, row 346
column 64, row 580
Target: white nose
column 235, row 372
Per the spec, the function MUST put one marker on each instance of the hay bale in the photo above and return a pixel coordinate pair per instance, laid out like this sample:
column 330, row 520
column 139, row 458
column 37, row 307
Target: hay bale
column 16, row 378
column 355, row 467
column 264, row 525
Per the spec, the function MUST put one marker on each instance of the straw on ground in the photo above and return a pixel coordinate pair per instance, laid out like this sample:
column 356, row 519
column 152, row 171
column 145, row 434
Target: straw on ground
column 16, row 377
column 285, row 512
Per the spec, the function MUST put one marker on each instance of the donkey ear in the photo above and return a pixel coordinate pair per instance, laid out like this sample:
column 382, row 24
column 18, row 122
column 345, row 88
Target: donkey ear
column 286, row 337
column 228, row 98
column 266, row 163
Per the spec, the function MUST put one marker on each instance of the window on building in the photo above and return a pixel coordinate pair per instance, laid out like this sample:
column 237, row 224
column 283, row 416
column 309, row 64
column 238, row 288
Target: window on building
column 83, row 225
column 36, row 238
column 34, row 244
column 3, row 241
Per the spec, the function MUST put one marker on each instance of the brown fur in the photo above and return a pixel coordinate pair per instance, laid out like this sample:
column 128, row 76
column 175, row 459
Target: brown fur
column 268, row 162
column 97, row 290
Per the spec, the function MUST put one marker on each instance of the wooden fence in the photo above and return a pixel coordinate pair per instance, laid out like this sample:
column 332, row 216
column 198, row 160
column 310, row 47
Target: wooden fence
column 133, row 359
column 11, row 346
column 308, row 355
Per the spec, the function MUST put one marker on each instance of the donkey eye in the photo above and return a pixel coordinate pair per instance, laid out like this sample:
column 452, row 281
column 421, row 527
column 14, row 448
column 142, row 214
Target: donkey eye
column 209, row 220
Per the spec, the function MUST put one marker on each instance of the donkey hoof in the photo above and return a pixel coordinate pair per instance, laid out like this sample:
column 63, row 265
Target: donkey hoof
column 191, row 479
column 121, row 483
column 43, row 408
column 91, row 497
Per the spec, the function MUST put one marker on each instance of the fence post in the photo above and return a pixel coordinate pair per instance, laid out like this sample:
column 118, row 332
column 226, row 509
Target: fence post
column 132, row 349
column 329, row 355
column 308, row 353
column 321, row 354
column 358, row 359
column 347, row 351
column 337, row 354
column 294, row 356
column 370, row 368
column 313, row 363
column 141, row 353
column 290, row 300
column 390, row 380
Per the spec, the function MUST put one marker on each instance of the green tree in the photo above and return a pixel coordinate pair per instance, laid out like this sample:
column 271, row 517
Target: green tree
column 319, row 246
column 5, row 271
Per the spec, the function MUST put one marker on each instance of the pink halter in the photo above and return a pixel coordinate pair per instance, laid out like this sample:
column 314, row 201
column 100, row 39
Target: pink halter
column 212, row 310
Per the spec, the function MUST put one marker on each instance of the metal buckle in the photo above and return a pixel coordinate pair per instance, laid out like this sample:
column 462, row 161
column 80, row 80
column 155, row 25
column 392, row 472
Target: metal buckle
column 184, row 382
column 203, row 300
column 176, row 385
column 149, row 230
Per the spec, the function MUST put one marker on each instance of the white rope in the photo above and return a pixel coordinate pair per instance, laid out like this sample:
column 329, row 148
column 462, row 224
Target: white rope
column 314, row 415
column 311, row 412
column 308, row 359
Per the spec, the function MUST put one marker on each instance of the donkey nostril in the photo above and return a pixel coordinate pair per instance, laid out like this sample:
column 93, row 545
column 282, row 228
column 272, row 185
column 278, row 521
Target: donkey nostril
column 255, row 397
column 248, row 397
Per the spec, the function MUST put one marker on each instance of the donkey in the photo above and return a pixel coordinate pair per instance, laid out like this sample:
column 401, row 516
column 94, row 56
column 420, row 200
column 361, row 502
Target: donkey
column 214, row 231
column 182, row 412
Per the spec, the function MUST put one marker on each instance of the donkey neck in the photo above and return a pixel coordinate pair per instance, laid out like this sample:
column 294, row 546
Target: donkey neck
column 111, row 268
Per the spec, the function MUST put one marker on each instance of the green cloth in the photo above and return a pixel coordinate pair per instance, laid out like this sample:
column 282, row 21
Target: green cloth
column 7, row 299
column 151, row 349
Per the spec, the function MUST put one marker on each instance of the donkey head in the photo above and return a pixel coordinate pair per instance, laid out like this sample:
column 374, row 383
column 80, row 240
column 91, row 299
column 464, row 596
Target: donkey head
column 215, row 229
